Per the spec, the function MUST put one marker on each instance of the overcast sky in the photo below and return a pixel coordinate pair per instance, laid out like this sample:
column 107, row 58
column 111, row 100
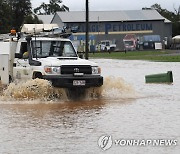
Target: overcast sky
column 103, row 5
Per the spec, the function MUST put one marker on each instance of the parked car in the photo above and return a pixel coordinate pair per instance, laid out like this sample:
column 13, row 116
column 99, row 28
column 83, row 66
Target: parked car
column 106, row 45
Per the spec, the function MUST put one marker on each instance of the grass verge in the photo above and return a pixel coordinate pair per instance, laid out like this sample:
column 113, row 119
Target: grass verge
column 154, row 55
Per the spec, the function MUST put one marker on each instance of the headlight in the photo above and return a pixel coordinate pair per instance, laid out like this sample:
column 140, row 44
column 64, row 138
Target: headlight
column 52, row 69
column 96, row 70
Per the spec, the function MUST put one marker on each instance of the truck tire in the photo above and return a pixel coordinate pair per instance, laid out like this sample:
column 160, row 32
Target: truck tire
column 112, row 48
column 37, row 75
column 75, row 93
column 10, row 79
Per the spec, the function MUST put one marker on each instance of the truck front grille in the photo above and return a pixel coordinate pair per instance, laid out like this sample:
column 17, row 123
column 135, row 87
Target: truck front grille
column 70, row 69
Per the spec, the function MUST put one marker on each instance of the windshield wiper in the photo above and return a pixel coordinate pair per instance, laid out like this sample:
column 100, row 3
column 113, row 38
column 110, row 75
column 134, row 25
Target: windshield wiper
column 42, row 56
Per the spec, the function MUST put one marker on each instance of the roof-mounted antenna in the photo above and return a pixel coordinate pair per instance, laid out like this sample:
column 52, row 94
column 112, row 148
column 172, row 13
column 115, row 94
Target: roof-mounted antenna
column 35, row 42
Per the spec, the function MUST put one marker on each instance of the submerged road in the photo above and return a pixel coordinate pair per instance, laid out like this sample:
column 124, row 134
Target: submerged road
column 130, row 116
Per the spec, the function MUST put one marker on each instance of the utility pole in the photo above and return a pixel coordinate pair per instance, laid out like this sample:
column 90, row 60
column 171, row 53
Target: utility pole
column 87, row 30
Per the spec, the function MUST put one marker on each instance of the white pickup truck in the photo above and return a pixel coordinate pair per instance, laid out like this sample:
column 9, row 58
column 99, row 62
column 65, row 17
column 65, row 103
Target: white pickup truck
column 106, row 45
column 50, row 58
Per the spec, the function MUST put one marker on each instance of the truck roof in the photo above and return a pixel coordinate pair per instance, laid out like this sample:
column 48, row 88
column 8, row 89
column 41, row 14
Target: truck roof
column 45, row 39
column 50, row 39
column 130, row 37
column 31, row 28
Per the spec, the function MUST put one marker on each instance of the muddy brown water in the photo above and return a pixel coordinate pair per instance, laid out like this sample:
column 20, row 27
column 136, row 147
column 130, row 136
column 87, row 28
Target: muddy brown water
column 33, row 121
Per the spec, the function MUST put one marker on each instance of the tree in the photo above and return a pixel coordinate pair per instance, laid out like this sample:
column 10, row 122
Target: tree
column 51, row 8
column 20, row 9
column 32, row 19
column 165, row 13
column 14, row 13
column 5, row 17
column 174, row 17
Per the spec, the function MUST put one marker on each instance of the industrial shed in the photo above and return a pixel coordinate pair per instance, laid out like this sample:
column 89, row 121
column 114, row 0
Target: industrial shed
column 46, row 19
column 114, row 25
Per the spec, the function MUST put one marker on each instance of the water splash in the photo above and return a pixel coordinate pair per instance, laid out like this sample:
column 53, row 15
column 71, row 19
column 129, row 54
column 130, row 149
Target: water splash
column 93, row 93
column 113, row 88
column 42, row 90
column 31, row 90
column 117, row 88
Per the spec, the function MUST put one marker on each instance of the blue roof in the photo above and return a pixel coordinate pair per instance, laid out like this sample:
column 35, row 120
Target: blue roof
column 153, row 38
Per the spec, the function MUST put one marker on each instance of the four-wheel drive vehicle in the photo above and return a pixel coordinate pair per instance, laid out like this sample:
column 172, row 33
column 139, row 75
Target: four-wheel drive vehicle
column 106, row 45
column 50, row 58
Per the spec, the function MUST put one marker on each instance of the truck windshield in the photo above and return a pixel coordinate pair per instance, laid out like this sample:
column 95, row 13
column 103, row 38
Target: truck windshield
column 42, row 49
column 106, row 43
column 130, row 43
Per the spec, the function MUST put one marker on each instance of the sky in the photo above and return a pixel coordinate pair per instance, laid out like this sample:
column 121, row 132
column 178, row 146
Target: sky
column 110, row 5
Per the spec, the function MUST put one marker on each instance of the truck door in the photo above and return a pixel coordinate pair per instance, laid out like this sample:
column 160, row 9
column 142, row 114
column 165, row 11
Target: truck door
column 4, row 68
column 22, row 69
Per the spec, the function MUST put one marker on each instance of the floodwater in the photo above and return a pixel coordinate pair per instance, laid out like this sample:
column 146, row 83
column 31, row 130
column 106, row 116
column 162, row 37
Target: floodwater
column 36, row 118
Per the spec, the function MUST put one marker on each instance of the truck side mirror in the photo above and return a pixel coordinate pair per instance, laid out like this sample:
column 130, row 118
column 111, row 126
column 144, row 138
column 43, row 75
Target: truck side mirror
column 18, row 55
column 25, row 55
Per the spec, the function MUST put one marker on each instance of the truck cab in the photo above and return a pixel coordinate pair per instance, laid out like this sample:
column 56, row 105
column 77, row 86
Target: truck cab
column 130, row 42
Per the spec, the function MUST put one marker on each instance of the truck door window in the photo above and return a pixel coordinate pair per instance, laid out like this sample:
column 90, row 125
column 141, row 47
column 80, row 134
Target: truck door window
column 23, row 47
column 40, row 48
column 68, row 50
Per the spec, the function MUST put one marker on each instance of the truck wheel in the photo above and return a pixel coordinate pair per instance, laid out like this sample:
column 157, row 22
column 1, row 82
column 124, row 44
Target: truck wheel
column 10, row 79
column 105, row 49
column 75, row 93
column 37, row 75
column 112, row 48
